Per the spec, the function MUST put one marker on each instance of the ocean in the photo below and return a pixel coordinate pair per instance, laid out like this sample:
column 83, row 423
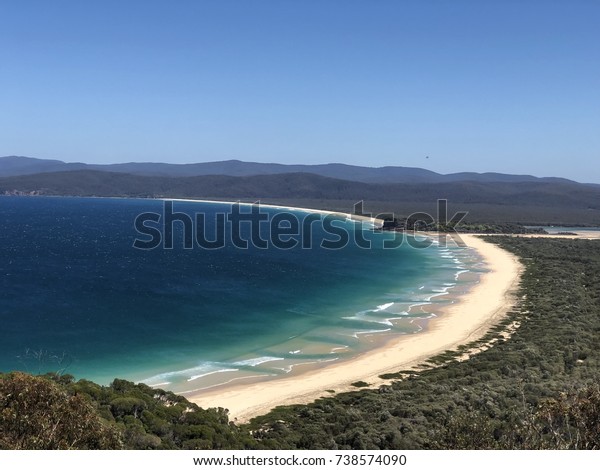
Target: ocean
column 85, row 292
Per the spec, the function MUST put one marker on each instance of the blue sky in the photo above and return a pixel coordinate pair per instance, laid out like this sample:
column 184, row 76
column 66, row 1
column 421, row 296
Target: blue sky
column 507, row 86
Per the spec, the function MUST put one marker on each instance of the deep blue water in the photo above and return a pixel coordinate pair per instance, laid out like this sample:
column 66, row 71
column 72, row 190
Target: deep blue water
column 76, row 294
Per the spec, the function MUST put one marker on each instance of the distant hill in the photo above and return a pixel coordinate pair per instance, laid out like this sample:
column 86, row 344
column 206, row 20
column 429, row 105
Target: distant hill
column 16, row 166
column 526, row 202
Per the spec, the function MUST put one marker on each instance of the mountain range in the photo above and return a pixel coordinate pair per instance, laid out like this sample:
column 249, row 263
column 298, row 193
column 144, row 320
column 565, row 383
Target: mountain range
column 488, row 197
column 17, row 166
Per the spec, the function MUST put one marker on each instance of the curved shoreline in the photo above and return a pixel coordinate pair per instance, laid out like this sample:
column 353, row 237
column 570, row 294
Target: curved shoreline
column 466, row 320
column 359, row 218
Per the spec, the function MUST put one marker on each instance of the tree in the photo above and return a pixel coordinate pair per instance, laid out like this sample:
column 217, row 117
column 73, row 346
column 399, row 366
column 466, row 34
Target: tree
column 36, row 413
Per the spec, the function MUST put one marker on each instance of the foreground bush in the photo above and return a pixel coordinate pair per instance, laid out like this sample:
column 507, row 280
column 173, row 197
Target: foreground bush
column 37, row 413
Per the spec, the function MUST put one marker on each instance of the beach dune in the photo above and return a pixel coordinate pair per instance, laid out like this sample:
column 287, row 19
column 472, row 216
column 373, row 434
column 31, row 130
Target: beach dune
column 465, row 320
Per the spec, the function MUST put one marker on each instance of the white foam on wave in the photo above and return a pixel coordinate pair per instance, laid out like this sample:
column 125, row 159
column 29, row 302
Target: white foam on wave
column 458, row 273
column 364, row 315
column 383, row 307
column 209, row 368
column 437, row 294
column 199, row 376
column 204, row 368
column 366, row 332
column 255, row 361
column 448, row 266
column 419, row 304
column 159, row 384
column 289, row 368
column 381, row 321
column 377, row 309
column 226, row 383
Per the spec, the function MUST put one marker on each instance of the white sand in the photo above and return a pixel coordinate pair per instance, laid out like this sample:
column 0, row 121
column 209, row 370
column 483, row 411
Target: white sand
column 462, row 322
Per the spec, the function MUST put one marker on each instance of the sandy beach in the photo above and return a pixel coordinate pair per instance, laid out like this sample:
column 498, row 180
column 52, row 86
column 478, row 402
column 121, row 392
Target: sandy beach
column 466, row 320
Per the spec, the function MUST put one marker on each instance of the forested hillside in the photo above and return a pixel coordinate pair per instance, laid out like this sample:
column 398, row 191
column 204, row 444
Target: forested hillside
column 488, row 202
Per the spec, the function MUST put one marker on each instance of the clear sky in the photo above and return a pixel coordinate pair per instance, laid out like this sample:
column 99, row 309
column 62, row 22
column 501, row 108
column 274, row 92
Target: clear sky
column 507, row 86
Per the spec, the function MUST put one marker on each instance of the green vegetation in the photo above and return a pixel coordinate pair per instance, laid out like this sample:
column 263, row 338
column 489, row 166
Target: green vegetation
column 360, row 384
column 36, row 413
column 463, row 227
column 537, row 389
column 490, row 228
column 53, row 412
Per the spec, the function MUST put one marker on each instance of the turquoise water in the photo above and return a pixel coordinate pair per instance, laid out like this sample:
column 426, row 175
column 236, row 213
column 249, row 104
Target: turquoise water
column 76, row 295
